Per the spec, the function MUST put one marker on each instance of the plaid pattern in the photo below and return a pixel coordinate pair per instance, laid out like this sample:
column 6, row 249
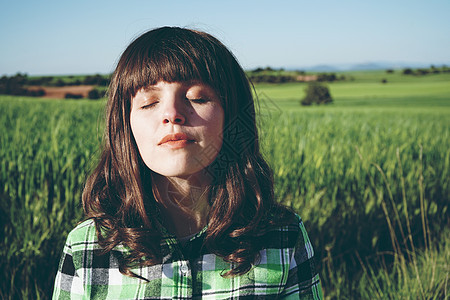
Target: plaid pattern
column 286, row 270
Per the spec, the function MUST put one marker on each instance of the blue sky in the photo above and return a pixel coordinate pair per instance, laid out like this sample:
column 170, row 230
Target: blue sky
column 87, row 36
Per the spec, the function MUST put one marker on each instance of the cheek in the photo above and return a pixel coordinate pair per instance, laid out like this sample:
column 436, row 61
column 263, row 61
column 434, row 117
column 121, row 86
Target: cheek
column 140, row 130
column 215, row 132
column 134, row 124
column 215, row 125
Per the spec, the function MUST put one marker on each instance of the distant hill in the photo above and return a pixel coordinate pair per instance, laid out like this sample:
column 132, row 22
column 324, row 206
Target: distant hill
column 364, row 66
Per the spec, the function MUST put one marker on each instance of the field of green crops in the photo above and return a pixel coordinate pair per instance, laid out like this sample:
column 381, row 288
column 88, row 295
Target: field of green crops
column 369, row 174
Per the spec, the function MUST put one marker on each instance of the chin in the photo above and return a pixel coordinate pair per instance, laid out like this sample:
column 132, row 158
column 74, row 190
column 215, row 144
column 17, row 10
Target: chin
column 179, row 172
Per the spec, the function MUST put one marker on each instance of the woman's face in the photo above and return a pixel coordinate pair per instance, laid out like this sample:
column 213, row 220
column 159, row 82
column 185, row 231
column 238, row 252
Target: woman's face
column 177, row 127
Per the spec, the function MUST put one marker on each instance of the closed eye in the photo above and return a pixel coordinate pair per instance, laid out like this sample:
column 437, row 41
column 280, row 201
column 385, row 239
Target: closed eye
column 198, row 100
column 150, row 105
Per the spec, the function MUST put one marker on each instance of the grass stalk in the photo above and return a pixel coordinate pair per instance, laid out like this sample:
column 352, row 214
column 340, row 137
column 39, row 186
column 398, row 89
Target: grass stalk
column 391, row 197
column 399, row 254
column 372, row 282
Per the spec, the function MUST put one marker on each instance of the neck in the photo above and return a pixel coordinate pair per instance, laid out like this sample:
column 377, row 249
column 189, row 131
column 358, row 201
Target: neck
column 183, row 203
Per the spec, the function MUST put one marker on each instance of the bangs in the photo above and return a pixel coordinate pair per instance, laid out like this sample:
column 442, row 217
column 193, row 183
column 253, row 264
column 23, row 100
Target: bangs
column 172, row 57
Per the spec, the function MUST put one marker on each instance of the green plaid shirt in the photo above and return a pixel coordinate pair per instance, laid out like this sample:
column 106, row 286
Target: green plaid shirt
column 286, row 270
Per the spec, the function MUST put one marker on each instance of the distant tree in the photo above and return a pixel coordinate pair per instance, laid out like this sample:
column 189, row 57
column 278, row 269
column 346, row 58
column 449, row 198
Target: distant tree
column 389, row 71
column 330, row 77
column 73, row 96
column 93, row 94
column 60, row 82
column 43, row 80
column 14, row 85
column 36, row 81
column 285, row 78
column 434, row 70
column 96, row 79
column 20, row 78
column 422, row 72
column 272, row 79
column 17, row 85
column 103, row 81
column 36, row 93
column 317, row 93
column 407, row 71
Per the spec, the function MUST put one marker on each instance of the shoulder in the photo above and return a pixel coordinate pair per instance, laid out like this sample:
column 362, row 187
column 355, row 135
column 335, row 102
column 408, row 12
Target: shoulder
column 82, row 236
column 286, row 233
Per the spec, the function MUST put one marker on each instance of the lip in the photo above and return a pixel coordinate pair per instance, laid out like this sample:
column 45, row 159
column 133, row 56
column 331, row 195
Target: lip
column 176, row 140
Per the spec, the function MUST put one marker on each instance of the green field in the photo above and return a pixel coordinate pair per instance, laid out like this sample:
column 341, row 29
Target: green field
column 368, row 91
column 365, row 173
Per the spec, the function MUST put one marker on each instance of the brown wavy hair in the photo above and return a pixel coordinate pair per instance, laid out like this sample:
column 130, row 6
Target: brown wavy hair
column 118, row 194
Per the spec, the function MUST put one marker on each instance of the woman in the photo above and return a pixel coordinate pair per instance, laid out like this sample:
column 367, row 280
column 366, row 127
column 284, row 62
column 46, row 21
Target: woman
column 181, row 204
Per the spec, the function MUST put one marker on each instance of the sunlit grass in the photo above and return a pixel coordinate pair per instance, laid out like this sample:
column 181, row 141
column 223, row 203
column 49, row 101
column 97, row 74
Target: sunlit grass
column 346, row 168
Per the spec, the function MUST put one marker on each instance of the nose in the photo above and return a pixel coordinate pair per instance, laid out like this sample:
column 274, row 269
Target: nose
column 173, row 113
